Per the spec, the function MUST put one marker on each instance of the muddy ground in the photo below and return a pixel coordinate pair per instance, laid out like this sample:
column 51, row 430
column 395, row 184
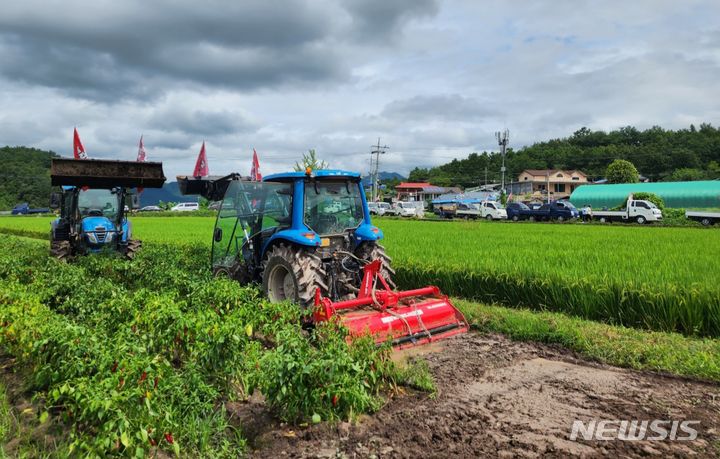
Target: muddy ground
column 502, row 398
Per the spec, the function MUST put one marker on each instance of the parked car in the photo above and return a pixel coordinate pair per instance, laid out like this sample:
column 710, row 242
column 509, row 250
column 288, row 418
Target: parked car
column 25, row 209
column 379, row 208
column 151, row 209
column 556, row 210
column 517, row 211
column 215, row 205
column 186, row 207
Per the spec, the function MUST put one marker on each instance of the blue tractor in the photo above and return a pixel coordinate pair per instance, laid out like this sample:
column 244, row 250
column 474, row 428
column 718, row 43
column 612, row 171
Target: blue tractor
column 293, row 232
column 93, row 204
column 307, row 237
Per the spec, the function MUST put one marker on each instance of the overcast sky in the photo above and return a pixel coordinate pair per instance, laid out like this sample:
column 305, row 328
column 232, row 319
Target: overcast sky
column 433, row 79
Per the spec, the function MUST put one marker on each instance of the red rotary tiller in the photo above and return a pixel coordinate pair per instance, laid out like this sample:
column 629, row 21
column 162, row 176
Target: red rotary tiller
column 407, row 318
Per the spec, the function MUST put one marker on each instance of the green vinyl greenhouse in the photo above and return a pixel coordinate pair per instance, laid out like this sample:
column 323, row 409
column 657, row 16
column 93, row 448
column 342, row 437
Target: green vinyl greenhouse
column 686, row 195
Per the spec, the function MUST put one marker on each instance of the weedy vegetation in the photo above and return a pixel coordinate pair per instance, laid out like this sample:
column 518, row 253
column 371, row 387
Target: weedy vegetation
column 134, row 357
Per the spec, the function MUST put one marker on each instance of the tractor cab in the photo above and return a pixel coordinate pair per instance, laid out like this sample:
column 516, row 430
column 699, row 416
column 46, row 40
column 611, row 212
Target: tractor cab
column 323, row 213
column 98, row 214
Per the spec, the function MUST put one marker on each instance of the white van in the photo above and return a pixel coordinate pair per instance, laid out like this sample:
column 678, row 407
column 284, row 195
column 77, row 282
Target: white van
column 378, row 208
column 186, row 207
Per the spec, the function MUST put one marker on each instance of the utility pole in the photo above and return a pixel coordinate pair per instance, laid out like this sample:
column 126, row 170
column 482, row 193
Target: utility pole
column 485, row 175
column 503, row 138
column 378, row 150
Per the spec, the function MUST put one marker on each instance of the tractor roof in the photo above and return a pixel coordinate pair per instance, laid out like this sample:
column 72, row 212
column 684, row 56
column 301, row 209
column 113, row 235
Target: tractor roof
column 324, row 173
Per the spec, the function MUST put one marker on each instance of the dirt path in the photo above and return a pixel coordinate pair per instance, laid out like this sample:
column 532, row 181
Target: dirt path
column 501, row 398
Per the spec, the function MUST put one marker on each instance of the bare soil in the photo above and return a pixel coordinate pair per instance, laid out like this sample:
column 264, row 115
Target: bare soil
column 502, row 398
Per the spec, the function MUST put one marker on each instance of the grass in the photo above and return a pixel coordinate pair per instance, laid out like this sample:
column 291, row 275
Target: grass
column 625, row 347
column 5, row 416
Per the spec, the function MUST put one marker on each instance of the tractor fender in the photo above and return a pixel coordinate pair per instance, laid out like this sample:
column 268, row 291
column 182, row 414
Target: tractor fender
column 296, row 237
column 367, row 233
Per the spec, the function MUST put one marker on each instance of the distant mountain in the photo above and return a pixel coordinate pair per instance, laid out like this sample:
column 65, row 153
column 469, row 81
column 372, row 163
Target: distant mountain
column 170, row 192
column 382, row 176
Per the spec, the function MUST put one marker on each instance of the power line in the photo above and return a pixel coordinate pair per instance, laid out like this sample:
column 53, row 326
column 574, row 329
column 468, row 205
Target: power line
column 378, row 150
column 503, row 138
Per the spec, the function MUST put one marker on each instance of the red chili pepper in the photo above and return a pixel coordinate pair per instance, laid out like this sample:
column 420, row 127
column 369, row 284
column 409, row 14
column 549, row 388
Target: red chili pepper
column 169, row 437
column 335, row 400
column 152, row 442
column 156, row 383
column 114, row 367
column 143, row 377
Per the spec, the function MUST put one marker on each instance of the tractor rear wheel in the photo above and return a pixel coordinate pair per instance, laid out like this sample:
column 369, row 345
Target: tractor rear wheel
column 131, row 249
column 61, row 250
column 294, row 274
column 370, row 251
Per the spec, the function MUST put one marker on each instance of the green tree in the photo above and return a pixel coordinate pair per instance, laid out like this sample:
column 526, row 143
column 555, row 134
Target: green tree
column 687, row 174
column 310, row 160
column 622, row 171
column 652, row 197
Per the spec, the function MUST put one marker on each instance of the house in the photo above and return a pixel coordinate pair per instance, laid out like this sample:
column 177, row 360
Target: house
column 535, row 182
column 422, row 191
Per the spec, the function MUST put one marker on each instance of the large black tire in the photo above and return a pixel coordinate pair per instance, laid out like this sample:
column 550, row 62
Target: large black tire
column 515, row 218
column 132, row 248
column 370, row 251
column 294, row 274
column 61, row 250
column 239, row 272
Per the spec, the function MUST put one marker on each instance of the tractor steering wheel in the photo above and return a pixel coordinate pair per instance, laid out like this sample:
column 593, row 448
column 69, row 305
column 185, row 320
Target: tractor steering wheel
column 95, row 213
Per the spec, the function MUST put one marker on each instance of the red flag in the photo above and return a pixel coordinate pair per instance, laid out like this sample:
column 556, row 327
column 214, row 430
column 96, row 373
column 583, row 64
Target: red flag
column 255, row 171
column 201, row 166
column 141, row 151
column 78, row 149
column 141, row 159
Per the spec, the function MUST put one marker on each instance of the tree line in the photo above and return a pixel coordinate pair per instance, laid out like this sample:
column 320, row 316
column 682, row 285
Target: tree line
column 657, row 153
column 25, row 176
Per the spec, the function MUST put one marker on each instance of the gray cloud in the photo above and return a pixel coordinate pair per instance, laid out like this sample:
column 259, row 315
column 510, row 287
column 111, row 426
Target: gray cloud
column 434, row 80
column 109, row 50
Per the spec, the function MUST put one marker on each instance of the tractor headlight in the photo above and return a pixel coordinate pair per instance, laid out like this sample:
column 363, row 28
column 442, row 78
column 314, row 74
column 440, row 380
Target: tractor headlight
column 92, row 238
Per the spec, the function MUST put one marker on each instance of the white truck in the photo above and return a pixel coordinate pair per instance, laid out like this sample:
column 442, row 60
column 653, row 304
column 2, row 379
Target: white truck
column 706, row 218
column 489, row 210
column 635, row 210
column 407, row 209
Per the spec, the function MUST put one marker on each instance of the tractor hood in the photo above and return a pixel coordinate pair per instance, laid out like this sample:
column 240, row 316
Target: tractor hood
column 99, row 230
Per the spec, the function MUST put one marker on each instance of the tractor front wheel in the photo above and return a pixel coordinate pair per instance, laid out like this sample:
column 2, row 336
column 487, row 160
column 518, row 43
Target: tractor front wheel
column 132, row 247
column 294, row 274
column 370, row 251
column 61, row 250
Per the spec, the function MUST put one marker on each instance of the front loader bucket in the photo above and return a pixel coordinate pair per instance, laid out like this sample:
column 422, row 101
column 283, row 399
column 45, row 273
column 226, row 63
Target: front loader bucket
column 101, row 173
column 406, row 318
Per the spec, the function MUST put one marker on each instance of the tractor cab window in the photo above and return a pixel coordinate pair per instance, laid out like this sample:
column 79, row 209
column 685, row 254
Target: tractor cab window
column 248, row 209
column 332, row 207
column 98, row 203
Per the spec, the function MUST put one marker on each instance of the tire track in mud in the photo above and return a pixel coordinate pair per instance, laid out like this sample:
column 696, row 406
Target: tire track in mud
column 502, row 398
